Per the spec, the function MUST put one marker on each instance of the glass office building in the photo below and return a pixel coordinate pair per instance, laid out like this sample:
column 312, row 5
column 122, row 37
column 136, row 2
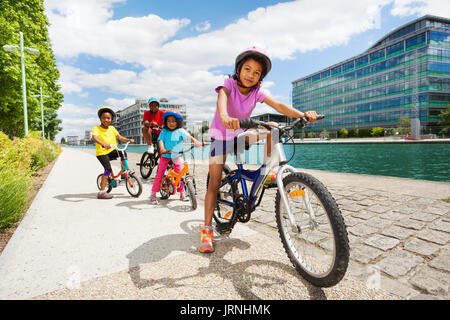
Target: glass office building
column 406, row 73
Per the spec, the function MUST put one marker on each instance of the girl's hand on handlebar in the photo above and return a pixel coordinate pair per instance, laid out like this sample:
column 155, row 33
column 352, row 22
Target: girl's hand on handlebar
column 311, row 116
column 107, row 146
column 131, row 140
column 230, row 123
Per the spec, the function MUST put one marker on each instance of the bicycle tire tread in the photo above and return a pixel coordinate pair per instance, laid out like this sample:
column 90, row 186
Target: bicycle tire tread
column 339, row 229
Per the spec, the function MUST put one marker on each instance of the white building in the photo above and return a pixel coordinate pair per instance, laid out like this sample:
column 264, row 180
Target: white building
column 129, row 120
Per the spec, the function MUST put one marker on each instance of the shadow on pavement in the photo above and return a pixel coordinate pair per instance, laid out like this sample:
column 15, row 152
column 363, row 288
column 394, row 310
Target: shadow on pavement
column 79, row 197
column 145, row 205
column 245, row 276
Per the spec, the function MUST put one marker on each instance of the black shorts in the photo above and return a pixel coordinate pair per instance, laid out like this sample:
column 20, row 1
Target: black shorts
column 219, row 147
column 106, row 158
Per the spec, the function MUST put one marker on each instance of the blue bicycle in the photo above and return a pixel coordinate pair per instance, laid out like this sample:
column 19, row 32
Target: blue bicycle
column 308, row 218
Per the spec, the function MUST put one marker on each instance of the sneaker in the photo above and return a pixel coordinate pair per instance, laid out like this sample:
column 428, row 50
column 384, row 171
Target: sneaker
column 104, row 195
column 153, row 200
column 207, row 238
column 151, row 149
column 183, row 197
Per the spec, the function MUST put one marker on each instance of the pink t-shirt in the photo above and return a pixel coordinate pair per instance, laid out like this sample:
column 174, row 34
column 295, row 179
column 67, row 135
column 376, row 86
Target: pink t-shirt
column 238, row 106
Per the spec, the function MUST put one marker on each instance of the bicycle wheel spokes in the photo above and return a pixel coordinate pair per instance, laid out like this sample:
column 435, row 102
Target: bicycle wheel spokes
column 147, row 164
column 314, row 246
column 317, row 247
column 133, row 185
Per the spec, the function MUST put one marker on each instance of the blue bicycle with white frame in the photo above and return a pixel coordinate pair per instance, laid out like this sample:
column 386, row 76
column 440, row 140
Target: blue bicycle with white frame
column 308, row 218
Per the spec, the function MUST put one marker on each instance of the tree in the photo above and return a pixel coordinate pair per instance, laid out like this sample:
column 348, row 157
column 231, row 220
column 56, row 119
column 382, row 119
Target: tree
column 343, row 133
column 377, row 132
column 445, row 122
column 63, row 141
column 405, row 124
column 51, row 123
column 40, row 71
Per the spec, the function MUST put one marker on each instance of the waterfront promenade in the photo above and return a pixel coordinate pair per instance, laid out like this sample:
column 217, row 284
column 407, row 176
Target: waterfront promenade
column 71, row 245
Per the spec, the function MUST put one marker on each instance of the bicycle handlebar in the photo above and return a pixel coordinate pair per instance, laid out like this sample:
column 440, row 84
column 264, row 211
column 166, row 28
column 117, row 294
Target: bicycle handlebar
column 182, row 151
column 252, row 123
column 118, row 149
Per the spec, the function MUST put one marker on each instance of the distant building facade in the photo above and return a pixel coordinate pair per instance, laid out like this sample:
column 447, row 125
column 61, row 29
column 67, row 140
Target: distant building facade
column 129, row 120
column 406, row 73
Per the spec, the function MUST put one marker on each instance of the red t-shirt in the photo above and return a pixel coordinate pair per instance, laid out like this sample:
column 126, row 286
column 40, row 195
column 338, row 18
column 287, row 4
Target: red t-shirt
column 158, row 118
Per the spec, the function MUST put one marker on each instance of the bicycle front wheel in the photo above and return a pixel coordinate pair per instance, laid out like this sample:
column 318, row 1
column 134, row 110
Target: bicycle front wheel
column 191, row 192
column 318, row 248
column 134, row 186
column 148, row 162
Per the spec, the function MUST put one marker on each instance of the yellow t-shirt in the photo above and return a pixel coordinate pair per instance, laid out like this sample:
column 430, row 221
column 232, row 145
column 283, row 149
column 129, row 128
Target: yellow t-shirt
column 105, row 135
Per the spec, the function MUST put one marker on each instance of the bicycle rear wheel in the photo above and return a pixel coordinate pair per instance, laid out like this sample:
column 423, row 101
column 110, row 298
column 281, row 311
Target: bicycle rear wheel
column 320, row 250
column 134, row 186
column 108, row 186
column 148, row 162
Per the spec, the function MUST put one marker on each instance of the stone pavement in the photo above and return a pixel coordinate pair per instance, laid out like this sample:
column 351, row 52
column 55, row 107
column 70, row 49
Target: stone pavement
column 71, row 245
column 399, row 229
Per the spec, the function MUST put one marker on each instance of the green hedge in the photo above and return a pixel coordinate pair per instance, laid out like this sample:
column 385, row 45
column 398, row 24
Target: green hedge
column 20, row 159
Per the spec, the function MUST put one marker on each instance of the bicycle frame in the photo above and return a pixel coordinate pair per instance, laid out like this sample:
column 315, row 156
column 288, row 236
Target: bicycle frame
column 123, row 157
column 174, row 177
column 258, row 176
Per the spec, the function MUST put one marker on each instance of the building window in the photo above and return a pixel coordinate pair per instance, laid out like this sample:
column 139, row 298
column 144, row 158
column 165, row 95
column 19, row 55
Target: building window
column 395, row 49
column 325, row 74
column 377, row 55
column 336, row 70
column 415, row 41
column 360, row 62
column 348, row 66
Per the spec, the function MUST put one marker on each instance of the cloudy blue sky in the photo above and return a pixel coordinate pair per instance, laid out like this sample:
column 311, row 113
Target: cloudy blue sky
column 110, row 52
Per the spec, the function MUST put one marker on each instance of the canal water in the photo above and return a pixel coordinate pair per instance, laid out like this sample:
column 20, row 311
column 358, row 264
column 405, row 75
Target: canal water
column 416, row 161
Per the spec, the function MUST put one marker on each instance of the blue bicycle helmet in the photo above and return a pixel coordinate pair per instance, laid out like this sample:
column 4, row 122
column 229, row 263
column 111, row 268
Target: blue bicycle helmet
column 176, row 114
column 153, row 99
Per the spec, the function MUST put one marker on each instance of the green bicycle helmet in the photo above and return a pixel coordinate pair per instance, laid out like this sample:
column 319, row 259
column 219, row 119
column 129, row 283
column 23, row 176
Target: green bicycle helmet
column 102, row 110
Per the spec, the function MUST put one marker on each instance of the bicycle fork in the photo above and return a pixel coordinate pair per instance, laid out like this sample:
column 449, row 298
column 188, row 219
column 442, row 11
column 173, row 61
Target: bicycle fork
column 281, row 189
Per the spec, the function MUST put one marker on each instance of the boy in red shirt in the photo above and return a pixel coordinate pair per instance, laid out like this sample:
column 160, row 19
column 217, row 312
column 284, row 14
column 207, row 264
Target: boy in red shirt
column 153, row 121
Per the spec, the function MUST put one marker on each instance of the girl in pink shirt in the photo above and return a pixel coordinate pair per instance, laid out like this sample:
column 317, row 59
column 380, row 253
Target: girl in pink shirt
column 236, row 100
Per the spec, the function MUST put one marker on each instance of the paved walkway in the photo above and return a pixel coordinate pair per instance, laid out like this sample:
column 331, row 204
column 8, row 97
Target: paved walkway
column 72, row 246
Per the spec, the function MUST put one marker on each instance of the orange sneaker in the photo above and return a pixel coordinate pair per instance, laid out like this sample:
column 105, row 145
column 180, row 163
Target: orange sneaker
column 207, row 238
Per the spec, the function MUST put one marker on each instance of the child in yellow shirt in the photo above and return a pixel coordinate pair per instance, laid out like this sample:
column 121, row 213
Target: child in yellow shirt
column 104, row 136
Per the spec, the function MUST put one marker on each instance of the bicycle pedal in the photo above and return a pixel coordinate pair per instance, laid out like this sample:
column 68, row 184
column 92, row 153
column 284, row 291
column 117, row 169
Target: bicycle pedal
column 223, row 228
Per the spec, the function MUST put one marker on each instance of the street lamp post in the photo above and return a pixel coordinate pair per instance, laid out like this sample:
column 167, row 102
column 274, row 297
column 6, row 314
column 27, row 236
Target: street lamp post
column 42, row 110
column 12, row 48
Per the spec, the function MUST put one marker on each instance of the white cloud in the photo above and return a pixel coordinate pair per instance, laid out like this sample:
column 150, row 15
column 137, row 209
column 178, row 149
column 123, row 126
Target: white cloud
column 432, row 7
column 68, row 110
column 181, row 69
column 118, row 104
column 85, row 26
column 202, row 27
